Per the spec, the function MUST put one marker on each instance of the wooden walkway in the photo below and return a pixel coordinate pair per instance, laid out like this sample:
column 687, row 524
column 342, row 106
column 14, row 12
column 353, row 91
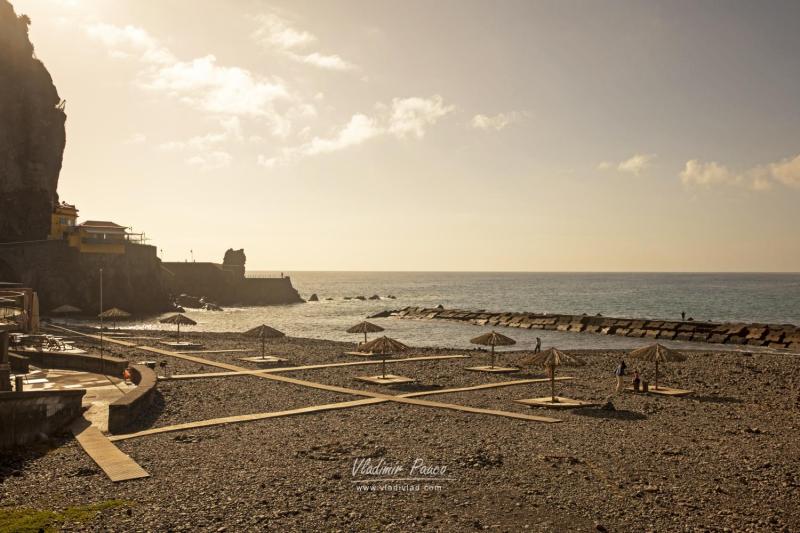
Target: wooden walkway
column 118, row 466
column 309, row 367
column 333, row 406
column 231, row 350
column 329, row 388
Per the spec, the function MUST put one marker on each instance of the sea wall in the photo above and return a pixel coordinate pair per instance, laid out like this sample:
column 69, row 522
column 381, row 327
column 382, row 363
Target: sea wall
column 225, row 285
column 124, row 411
column 778, row 336
column 61, row 274
column 28, row 416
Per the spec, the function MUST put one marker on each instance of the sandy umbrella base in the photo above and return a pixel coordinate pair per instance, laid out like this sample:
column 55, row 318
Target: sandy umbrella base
column 263, row 359
column 388, row 379
column 662, row 390
column 492, row 369
column 560, row 402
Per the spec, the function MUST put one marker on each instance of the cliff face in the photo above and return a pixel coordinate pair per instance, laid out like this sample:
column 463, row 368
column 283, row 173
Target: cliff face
column 32, row 135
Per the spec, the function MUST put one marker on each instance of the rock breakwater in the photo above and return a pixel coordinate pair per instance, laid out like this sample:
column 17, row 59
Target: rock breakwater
column 776, row 336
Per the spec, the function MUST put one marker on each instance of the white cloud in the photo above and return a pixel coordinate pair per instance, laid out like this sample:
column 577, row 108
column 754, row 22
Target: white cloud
column 275, row 33
column 636, row 164
column 697, row 173
column 410, row 116
column 787, row 171
column 496, row 122
column 231, row 131
column 125, row 41
column 404, row 117
column 210, row 160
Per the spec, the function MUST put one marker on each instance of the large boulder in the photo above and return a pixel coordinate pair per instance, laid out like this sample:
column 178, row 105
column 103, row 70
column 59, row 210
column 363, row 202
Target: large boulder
column 32, row 134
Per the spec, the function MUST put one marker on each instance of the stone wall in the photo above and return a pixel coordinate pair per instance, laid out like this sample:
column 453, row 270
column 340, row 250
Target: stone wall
column 26, row 417
column 84, row 362
column 123, row 412
column 32, row 134
column 778, row 336
column 61, row 275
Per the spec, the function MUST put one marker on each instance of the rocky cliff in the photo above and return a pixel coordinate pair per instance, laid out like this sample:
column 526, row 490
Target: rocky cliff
column 32, row 134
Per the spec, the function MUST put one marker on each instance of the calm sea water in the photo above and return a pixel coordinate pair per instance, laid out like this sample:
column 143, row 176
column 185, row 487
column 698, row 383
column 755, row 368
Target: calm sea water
column 773, row 298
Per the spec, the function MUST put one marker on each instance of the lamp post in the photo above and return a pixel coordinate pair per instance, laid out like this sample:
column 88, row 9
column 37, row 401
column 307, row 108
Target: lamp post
column 102, row 369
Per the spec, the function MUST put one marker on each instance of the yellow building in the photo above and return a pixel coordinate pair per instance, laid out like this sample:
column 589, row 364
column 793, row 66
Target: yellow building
column 62, row 221
column 99, row 237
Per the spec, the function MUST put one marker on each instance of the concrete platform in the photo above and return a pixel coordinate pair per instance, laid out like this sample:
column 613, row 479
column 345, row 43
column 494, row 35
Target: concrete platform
column 390, row 379
column 265, row 359
column 561, row 403
column 185, row 345
column 492, row 369
column 662, row 391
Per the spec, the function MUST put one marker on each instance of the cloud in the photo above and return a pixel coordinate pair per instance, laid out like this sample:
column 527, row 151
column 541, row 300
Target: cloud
column 202, row 83
column 636, row 164
column 410, row 116
column 210, row 160
column 496, row 122
column 275, row 33
column 787, row 171
column 757, row 178
column 405, row 117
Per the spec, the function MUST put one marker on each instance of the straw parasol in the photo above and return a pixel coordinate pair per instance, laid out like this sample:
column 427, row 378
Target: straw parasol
column 657, row 353
column 114, row 314
column 493, row 339
column 65, row 310
column 550, row 359
column 264, row 332
column 384, row 346
column 365, row 327
column 178, row 320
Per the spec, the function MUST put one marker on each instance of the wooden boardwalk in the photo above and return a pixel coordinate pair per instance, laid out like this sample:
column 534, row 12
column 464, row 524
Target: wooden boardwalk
column 338, row 405
column 330, row 388
column 310, row 367
column 118, row 466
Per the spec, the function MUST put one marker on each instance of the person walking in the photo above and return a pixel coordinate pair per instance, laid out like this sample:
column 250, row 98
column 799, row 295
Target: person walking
column 538, row 345
column 620, row 373
column 683, row 316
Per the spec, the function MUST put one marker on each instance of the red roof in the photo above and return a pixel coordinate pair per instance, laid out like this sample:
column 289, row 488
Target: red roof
column 100, row 224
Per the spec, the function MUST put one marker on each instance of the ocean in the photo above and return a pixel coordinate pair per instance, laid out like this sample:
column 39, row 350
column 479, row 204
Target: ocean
column 772, row 298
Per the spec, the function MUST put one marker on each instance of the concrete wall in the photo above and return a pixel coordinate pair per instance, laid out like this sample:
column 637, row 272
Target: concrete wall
column 26, row 416
column 778, row 336
column 123, row 412
column 62, row 275
column 113, row 366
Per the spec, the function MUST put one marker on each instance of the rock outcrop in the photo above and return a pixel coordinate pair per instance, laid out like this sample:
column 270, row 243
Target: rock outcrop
column 32, row 134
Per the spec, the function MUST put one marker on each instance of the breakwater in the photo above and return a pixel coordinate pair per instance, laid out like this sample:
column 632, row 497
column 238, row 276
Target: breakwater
column 776, row 336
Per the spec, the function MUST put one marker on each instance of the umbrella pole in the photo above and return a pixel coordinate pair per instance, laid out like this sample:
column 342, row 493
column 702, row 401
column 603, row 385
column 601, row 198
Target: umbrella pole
column 656, row 375
column 179, row 332
column 553, row 384
column 365, row 337
column 383, row 366
column 263, row 348
column 492, row 365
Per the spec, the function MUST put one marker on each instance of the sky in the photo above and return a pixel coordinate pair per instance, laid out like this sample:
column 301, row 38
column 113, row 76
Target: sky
column 454, row 135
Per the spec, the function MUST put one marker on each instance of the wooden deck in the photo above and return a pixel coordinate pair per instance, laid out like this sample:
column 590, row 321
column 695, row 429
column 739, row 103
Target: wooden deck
column 117, row 466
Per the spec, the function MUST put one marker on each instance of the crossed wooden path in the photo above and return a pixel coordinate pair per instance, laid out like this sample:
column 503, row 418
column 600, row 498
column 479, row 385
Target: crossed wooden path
column 109, row 459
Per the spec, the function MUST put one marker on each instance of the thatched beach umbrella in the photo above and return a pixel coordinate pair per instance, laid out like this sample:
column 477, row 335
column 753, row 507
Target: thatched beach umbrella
column 114, row 314
column 550, row 359
column 384, row 346
column 264, row 332
column 365, row 327
column 65, row 310
column 179, row 320
column 657, row 353
column 493, row 339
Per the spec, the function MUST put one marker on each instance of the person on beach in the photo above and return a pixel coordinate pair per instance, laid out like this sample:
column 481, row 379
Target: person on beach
column 538, row 345
column 620, row 373
column 636, row 381
column 683, row 316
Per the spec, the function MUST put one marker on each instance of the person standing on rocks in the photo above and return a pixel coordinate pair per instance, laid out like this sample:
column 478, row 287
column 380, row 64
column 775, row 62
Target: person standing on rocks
column 538, row 345
column 683, row 316
column 620, row 373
